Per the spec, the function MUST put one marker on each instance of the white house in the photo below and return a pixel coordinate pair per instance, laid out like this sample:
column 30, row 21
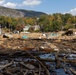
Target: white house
column 37, row 27
column 26, row 28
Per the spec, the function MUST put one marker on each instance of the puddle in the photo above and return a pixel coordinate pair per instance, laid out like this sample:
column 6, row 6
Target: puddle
column 47, row 56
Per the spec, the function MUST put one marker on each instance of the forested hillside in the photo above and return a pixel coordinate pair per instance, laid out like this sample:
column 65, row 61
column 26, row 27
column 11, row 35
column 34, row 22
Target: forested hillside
column 19, row 12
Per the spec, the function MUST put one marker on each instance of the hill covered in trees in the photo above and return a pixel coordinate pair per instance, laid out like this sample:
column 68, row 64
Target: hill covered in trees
column 19, row 12
column 30, row 13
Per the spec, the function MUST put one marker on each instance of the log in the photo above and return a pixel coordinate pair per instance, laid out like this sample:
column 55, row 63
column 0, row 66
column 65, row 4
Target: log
column 7, row 73
column 39, row 69
column 47, row 71
column 29, row 72
column 68, row 60
column 73, row 71
column 67, row 70
column 25, row 72
column 9, row 64
column 24, row 65
column 57, row 61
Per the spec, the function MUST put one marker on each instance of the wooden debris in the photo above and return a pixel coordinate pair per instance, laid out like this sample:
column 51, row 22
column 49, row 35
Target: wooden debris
column 73, row 71
column 30, row 49
column 47, row 71
column 9, row 64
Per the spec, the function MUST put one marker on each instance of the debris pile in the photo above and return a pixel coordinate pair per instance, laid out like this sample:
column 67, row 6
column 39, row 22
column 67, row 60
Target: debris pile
column 38, row 57
column 28, row 63
column 40, row 44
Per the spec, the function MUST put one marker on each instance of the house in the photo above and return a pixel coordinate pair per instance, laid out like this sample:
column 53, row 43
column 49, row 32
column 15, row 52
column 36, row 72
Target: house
column 36, row 27
column 26, row 28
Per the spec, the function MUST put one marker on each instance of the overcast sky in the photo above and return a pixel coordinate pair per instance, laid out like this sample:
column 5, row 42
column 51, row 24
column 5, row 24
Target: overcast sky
column 47, row 6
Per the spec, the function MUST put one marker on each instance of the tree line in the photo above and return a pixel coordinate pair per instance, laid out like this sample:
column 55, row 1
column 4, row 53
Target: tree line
column 47, row 23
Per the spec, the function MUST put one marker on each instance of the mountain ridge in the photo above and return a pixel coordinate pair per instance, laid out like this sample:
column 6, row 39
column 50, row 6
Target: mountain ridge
column 9, row 12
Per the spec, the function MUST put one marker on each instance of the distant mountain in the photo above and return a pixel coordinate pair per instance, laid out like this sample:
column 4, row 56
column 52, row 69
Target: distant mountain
column 19, row 12
column 29, row 13
column 10, row 12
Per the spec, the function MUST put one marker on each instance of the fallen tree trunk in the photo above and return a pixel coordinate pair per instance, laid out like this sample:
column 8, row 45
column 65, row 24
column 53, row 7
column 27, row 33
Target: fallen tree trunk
column 47, row 71
column 24, row 65
column 73, row 71
column 2, row 67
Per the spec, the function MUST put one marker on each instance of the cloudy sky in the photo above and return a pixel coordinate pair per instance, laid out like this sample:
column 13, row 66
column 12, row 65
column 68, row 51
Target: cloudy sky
column 47, row 6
